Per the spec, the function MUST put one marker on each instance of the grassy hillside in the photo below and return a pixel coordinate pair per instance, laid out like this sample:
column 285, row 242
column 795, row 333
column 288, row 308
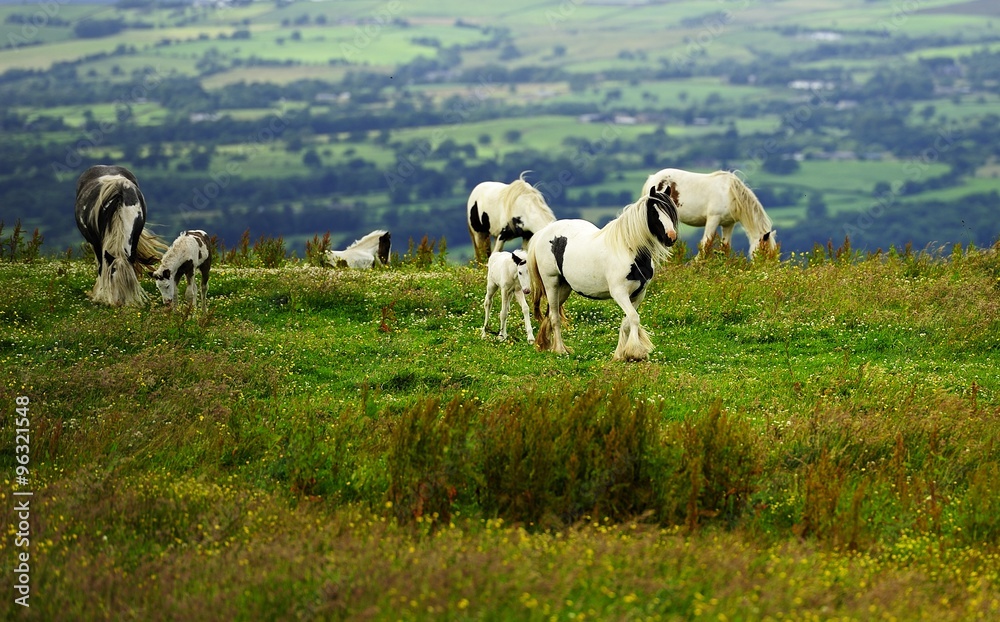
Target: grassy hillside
column 813, row 438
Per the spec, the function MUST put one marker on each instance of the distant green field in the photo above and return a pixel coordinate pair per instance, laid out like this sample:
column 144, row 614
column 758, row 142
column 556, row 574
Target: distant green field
column 325, row 40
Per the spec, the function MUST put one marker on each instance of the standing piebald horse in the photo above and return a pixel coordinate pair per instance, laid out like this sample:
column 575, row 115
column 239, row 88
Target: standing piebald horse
column 717, row 199
column 111, row 215
column 191, row 250
column 615, row 262
column 505, row 211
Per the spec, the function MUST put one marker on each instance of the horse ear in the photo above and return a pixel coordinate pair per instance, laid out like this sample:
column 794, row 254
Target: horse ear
column 652, row 190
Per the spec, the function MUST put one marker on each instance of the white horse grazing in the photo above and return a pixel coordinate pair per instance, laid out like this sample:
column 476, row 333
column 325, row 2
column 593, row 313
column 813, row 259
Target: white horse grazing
column 505, row 211
column 111, row 215
column 189, row 251
column 717, row 199
column 615, row 262
column 363, row 253
column 508, row 272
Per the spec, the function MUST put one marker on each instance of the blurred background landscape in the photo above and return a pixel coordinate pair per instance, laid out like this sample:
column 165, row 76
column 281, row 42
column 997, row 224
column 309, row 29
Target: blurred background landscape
column 873, row 120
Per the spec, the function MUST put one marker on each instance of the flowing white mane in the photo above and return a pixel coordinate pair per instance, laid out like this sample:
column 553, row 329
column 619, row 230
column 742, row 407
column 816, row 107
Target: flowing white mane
column 630, row 232
column 520, row 198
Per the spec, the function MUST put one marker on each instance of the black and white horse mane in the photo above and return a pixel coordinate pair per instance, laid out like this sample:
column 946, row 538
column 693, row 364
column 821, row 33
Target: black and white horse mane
column 111, row 215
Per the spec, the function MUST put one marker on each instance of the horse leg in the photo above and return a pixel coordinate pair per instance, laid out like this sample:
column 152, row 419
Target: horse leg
column 711, row 225
column 557, row 299
column 499, row 245
column 633, row 343
column 491, row 291
column 727, row 234
column 204, row 285
column 191, row 292
column 519, row 294
column 504, row 311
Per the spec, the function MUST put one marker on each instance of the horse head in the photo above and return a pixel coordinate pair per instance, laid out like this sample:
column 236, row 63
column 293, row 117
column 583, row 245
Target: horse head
column 166, row 285
column 659, row 202
column 523, row 276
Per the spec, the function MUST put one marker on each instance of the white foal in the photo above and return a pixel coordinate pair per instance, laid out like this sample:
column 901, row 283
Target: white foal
column 508, row 272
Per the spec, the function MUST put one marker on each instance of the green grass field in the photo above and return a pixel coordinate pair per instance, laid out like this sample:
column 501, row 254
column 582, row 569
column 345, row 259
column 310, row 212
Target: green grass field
column 812, row 438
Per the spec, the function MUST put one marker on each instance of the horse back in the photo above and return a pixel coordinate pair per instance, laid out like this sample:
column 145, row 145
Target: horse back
column 571, row 251
column 699, row 195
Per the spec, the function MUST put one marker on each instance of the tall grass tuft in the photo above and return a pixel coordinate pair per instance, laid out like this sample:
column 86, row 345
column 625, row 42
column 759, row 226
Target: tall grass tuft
column 551, row 459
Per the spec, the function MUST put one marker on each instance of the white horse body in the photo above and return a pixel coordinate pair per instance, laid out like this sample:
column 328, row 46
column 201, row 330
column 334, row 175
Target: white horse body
column 505, row 211
column 508, row 273
column 111, row 215
column 713, row 200
column 364, row 252
column 615, row 262
column 189, row 251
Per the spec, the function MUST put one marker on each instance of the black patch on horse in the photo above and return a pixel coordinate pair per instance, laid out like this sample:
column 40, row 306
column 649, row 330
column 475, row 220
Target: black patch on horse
column 185, row 270
column 384, row 244
column 480, row 222
column 558, row 250
column 513, row 229
column 641, row 271
column 517, row 260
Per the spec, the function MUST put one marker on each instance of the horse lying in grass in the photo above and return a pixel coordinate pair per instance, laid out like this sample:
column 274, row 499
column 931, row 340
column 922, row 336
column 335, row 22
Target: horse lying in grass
column 111, row 215
column 711, row 200
column 504, row 211
column 363, row 252
column 189, row 251
column 615, row 262
column 508, row 273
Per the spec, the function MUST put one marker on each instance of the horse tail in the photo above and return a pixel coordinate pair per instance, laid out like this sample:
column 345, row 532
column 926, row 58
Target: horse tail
column 149, row 251
column 537, row 287
column 746, row 208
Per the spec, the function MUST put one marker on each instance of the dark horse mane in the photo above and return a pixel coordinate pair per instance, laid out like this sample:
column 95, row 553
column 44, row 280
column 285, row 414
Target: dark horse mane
column 111, row 215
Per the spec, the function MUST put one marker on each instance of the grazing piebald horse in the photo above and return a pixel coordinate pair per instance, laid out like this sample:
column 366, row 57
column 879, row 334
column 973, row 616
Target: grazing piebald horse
column 363, row 253
column 111, row 215
column 505, row 211
column 508, row 272
column 189, row 251
column 717, row 199
column 615, row 262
